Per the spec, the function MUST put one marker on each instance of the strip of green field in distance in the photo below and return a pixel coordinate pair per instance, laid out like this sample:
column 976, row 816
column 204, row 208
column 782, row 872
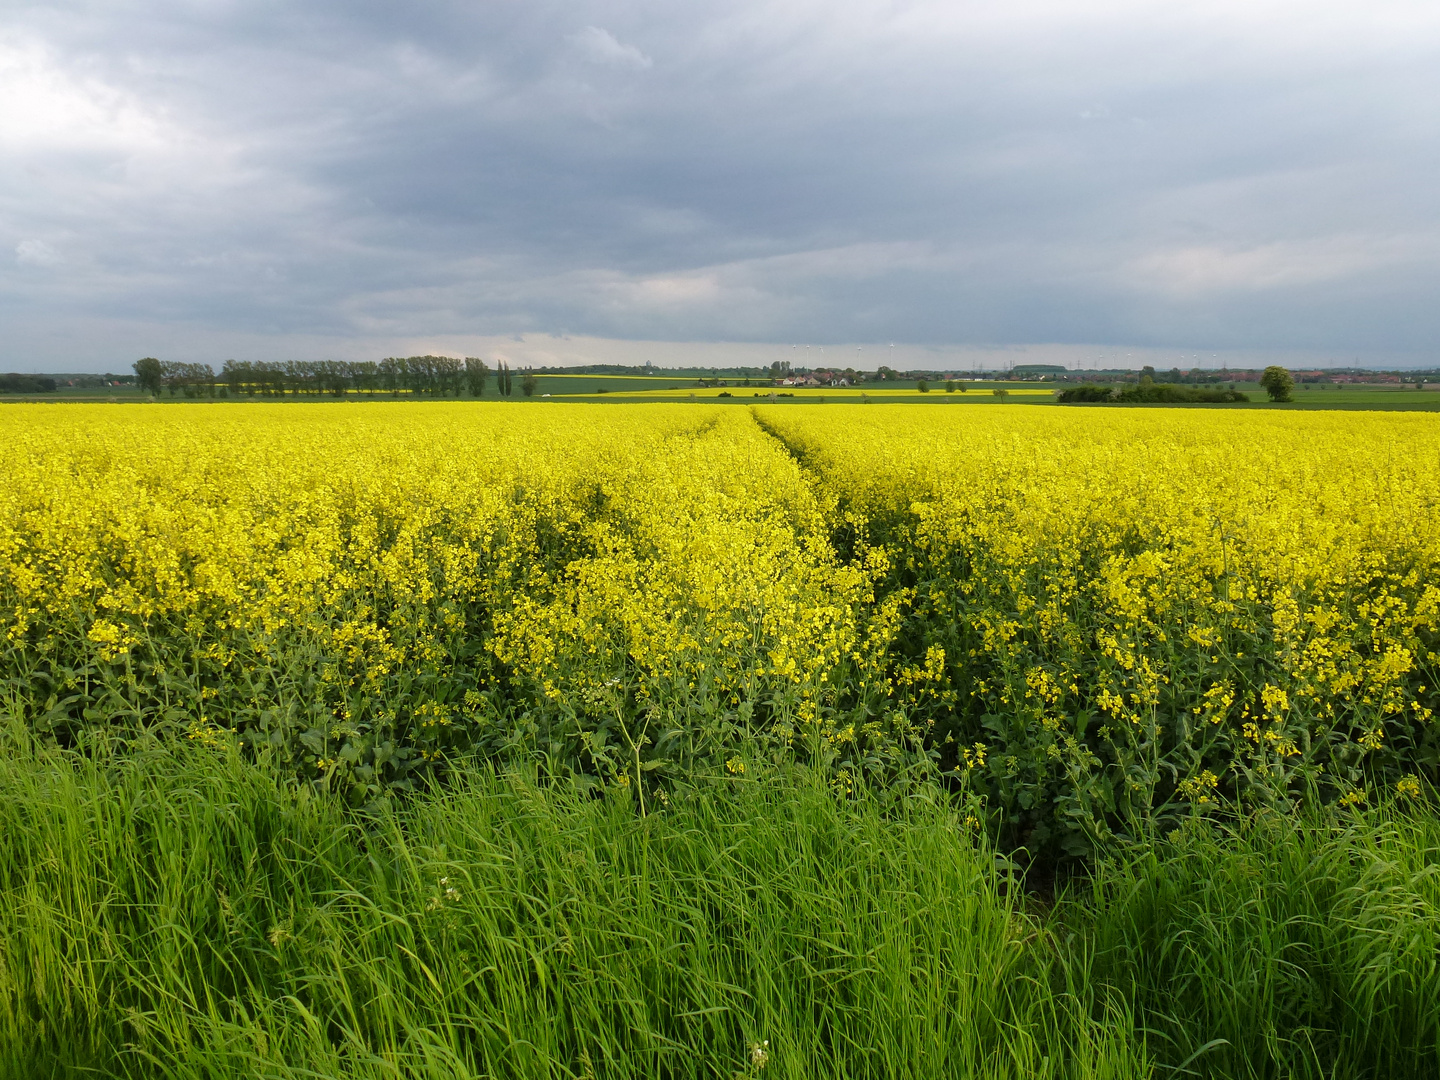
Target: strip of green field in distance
column 681, row 386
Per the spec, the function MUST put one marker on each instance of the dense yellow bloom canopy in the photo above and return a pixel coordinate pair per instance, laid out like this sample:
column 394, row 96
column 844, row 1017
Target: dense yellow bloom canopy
column 1085, row 615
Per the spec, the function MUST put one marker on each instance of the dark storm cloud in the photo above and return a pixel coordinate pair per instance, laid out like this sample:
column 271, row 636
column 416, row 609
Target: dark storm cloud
column 1208, row 175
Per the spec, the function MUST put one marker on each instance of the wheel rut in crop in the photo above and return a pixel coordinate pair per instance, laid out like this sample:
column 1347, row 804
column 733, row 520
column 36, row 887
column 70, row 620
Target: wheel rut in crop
column 794, row 450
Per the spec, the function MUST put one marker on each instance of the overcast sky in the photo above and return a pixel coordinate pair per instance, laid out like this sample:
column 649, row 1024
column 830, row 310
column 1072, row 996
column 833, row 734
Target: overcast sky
column 268, row 180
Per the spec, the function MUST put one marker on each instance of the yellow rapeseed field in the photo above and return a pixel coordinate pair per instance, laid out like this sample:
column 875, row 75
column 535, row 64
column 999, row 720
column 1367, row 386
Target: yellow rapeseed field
column 1138, row 606
column 1094, row 618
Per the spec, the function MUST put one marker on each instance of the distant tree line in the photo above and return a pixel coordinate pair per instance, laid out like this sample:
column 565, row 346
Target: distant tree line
column 32, row 383
column 433, row 376
column 1149, row 393
column 15, row 383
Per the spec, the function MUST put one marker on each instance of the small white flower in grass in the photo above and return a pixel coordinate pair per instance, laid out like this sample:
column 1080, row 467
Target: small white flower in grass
column 760, row 1053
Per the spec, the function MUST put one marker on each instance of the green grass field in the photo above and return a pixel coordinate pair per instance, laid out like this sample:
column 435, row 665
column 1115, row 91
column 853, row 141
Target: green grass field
column 686, row 386
column 171, row 910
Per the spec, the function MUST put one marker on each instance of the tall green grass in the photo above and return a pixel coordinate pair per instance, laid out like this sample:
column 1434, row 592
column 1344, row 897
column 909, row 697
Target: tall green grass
column 175, row 911
column 1279, row 946
column 169, row 909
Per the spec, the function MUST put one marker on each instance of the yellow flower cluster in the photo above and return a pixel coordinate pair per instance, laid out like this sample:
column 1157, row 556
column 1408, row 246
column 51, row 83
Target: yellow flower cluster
column 1089, row 615
column 1144, row 604
column 361, row 587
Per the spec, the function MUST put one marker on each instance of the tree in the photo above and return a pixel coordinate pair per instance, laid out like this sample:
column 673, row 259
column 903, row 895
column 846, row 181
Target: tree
column 447, row 375
column 239, row 376
column 148, row 374
column 195, row 380
column 391, row 375
column 922, row 386
column 529, row 383
column 475, row 375
column 364, row 374
column 1277, row 383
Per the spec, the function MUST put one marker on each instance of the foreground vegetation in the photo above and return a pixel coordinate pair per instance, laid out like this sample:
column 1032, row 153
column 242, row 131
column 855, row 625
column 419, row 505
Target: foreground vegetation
column 195, row 917
column 170, row 909
column 470, row 740
column 1096, row 623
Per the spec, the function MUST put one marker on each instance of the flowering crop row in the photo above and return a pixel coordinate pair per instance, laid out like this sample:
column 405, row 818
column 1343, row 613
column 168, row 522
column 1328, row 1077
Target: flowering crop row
column 1108, row 616
column 1089, row 618
column 361, row 590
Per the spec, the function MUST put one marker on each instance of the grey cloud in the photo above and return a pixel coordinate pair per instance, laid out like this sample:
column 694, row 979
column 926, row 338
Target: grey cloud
column 36, row 253
column 1220, row 176
column 600, row 46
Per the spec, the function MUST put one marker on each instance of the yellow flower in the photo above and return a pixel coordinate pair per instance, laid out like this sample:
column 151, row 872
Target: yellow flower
column 839, row 581
column 1200, row 788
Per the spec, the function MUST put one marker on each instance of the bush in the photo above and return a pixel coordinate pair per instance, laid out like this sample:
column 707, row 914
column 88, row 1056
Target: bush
column 1085, row 394
column 1168, row 394
column 1148, row 392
